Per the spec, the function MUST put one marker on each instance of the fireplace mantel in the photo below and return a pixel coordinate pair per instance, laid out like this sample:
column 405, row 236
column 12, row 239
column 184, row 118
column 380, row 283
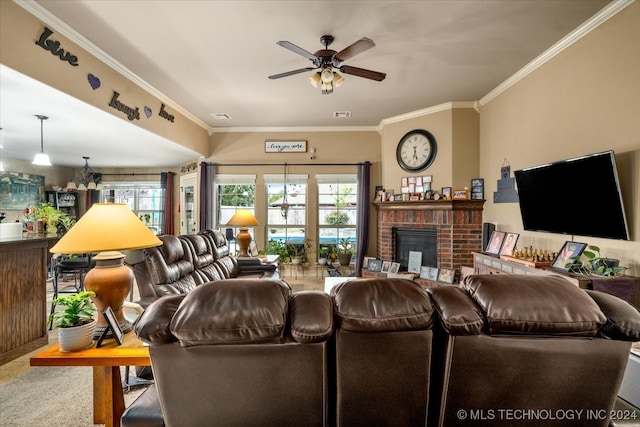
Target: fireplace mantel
column 458, row 223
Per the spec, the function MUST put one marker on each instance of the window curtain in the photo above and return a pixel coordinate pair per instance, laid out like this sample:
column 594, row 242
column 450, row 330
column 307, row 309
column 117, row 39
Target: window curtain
column 363, row 213
column 166, row 179
column 206, row 196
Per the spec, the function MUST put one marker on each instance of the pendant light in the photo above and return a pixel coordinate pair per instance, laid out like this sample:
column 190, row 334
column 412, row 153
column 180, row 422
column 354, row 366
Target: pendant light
column 42, row 158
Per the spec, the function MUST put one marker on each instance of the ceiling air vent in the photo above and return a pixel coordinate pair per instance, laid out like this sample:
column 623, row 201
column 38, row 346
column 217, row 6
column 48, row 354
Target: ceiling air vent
column 342, row 114
column 220, row 116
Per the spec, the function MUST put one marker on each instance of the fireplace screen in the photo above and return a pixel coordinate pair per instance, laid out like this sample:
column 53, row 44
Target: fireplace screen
column 423, row 240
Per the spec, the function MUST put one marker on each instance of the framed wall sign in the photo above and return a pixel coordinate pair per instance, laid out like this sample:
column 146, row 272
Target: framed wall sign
column 285, row 146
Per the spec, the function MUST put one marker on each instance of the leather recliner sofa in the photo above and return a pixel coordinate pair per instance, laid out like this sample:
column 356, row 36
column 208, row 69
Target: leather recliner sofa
column 184, row 262
column 495, row 350
column 240, row 352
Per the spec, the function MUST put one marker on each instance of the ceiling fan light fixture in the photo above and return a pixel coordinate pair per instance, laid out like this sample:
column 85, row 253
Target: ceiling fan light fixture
column 337, row 80
column 314, row 79
column 327, row 75
column 42, row 158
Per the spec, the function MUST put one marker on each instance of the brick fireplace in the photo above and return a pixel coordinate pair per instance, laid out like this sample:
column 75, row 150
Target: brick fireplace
column 458, row 224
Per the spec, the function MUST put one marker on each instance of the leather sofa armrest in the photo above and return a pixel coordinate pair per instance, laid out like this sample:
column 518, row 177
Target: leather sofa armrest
column 623, row 320
column 152, row 326
column 458, row 314
column 311, row 316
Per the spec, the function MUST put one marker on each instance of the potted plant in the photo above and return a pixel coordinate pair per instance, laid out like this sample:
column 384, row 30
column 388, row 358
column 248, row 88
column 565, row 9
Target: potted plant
column 75, row 322
column 276, row 247
column 298, row 251
column 344, row 254
column 596, row 265
column 323, row 254
column 49, row 216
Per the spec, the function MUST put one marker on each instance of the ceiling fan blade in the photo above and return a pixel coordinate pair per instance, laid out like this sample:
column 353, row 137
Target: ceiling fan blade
column 361, row 72
column 296, row 49
column 354, row 49
column 291, row 73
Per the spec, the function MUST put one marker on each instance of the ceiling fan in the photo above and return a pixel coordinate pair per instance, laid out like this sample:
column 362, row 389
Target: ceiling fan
column 326, row 60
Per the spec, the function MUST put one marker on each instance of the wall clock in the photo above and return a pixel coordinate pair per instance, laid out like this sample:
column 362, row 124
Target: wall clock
column 416, row 150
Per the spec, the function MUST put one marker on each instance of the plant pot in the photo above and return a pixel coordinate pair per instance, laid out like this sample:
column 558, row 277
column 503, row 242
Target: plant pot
column 344, row 259
column 77, row 337
column 322, row 261
column 296, row 260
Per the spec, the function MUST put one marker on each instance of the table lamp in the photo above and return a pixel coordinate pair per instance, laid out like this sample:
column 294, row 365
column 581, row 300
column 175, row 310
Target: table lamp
column 108, row 228
column 243, row 219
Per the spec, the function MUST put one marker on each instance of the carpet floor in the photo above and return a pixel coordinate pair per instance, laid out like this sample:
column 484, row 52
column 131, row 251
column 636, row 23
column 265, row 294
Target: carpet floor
column 63, row 396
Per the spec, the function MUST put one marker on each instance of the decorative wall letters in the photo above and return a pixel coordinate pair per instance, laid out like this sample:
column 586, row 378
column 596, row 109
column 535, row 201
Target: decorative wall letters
column 165, row 115
column 132, row 113
column 53, row 46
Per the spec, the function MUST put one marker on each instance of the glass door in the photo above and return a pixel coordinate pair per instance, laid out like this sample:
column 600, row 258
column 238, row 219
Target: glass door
column 188, row 204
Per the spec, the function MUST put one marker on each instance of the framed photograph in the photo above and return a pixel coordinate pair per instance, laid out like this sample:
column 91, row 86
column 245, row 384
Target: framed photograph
column 374, row 265
column 412, row 180
column 428, row 195
column 388, row 196
column 433, row 273
column 404, row 190
column 395, row 267
column 426, row 178
column 380, row 195
column 460, row 195
column 253, row 248
column 495, row 242
column 477, row 189
column 404, row 181
column 446, row 275
column 509, row 244
column 113, row 326
column 397, row 197
column 446, row 192
column 419, row 181
column 424, row 272
column 386, row 265
column 365, row 262
column 415, row 262
column 568, row 255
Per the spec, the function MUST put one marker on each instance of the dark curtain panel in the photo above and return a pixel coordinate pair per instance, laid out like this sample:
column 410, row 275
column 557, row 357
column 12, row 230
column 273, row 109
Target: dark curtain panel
column 166, row 179
column 207, row 203
column 364, row 210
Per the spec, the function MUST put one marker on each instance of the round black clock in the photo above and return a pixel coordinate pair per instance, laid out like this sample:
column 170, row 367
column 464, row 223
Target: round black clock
column 416, row 150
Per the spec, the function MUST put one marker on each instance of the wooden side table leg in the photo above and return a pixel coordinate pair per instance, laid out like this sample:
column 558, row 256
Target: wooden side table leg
column 108, row 400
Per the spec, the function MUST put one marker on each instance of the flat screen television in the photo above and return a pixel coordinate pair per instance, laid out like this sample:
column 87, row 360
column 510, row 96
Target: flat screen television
column 579, row 196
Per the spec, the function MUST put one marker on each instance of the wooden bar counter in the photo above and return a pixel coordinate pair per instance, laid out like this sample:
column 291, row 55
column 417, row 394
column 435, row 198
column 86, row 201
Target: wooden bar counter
column 23, row 295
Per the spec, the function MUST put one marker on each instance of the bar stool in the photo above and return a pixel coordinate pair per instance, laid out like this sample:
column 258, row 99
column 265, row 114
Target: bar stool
column 61, row 266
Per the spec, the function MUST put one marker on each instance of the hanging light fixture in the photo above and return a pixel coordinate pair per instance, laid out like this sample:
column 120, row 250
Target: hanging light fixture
column 42, row 158
column 88, row 179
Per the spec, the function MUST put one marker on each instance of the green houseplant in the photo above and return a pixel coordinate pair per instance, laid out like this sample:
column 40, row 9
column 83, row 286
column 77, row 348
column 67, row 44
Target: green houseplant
column 75, row 322
column 595, row 264
column 344, row 254
column 323, row 254
column 298, row 251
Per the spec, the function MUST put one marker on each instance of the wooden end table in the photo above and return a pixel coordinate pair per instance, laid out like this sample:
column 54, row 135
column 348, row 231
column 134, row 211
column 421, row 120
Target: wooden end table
column 108, row 399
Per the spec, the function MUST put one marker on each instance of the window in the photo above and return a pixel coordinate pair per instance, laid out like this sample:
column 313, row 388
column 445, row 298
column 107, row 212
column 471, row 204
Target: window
column 286, row 208
column 145, row 199
column 234, row 192
column 337, row 209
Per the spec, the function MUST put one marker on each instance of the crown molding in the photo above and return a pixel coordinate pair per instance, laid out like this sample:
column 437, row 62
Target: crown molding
column 297, row 129
column 47, row 17
column 584, row 29
column 425, row 112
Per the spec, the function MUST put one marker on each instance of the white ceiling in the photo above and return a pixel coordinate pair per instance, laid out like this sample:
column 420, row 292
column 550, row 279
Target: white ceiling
column 204, row 57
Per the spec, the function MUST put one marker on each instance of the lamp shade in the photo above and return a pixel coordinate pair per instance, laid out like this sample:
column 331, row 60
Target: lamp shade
column 243, row 218
column 106, row 227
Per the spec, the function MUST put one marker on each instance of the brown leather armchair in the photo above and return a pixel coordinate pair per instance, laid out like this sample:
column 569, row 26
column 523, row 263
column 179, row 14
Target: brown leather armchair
column 527, row 351
column 383, row 344
column 240, row 352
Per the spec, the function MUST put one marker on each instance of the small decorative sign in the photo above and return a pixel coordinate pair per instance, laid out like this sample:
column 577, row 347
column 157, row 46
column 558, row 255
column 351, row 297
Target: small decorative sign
column 285, row 146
